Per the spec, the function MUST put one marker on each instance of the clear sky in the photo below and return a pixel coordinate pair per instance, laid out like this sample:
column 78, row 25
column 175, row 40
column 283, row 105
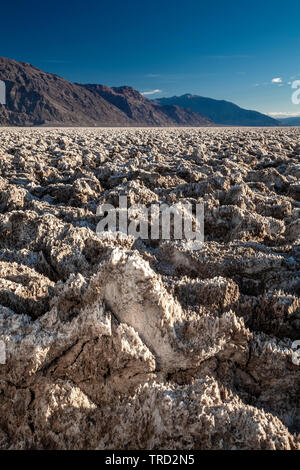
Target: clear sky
column 229, row 49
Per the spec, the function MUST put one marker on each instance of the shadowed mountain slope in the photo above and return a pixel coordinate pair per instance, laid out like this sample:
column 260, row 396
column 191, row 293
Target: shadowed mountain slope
column 219, row 111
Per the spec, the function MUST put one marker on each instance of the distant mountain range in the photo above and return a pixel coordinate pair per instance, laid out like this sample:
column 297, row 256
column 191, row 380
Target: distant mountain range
column 219, row 111
column 291, row 121
column 37, row 98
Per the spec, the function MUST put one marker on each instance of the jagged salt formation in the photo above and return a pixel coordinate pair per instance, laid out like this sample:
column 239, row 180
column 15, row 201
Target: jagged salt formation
column 116, row 343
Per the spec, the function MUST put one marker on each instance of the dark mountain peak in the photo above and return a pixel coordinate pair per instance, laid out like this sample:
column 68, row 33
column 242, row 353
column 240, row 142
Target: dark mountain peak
column 35, row 97
column 128, row 91
column 220, row 111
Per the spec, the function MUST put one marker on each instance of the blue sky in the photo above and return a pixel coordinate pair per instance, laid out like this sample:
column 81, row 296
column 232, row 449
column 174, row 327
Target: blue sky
column 223, row 49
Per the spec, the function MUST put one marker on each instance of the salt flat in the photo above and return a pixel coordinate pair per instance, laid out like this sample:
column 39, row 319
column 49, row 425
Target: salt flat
column 131, row 344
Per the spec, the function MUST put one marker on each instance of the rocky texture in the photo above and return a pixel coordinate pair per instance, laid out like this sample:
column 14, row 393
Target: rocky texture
column 221, row 112
column 115, row 343
column 34, row 97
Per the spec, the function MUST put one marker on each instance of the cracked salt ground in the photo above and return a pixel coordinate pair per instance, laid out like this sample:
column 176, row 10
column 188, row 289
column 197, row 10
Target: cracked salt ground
column 124, row 344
